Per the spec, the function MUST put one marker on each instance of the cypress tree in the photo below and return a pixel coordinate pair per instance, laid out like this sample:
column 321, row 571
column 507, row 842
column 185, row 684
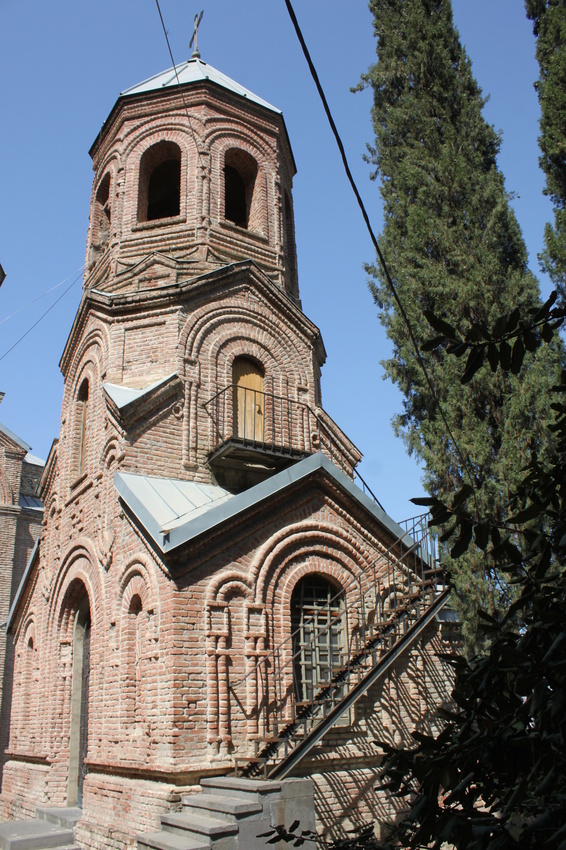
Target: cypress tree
column 549, row 24
column 453, row 246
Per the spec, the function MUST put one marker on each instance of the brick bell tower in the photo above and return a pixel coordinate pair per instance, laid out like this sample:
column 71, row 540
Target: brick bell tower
column 191, row 213
column 210, row 580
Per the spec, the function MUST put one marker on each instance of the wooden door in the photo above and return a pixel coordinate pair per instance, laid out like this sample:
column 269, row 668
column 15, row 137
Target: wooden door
column 247, row 379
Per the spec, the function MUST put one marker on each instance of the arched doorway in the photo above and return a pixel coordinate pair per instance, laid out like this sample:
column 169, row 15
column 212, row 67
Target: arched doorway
column 248, row 405
column 318, row 625
column 78, row 743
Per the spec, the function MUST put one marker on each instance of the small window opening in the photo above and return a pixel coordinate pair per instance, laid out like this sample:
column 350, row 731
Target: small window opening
column 160, row 182
column 102, row 210
column 136, row 606
column 240, row 201
column 163, row 194
column 236, row 207
column 81, row 428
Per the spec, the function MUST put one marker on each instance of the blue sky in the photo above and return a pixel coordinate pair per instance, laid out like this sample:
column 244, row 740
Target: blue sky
column 62, row 66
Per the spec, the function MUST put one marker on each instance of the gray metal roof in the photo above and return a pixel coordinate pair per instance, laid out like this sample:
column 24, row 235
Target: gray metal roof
column 14, row 437
column 122, row 395
column 32, row 503
column 34, row 460
column 195, row 71
column 174, row 512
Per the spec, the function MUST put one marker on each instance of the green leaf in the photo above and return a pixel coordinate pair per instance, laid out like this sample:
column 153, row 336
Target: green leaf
column 432, row 344
column 481, row 534
column 463, row 541
column 440, row 325
column 474, row 363
column 493, row 356
column 517, row 356
column 505, row 356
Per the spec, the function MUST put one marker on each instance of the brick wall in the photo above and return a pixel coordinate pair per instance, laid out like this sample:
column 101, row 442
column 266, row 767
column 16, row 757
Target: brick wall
column 19, row 530
column 173, row 637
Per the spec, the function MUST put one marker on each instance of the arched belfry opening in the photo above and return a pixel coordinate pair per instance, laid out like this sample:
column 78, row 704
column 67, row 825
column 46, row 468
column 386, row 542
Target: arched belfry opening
column 159, row 194
column 319, row 639
column 80, row 694
column 102, row 214
column 240, row 177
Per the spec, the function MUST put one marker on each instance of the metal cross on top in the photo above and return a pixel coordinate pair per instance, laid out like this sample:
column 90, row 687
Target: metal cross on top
column 194, row 39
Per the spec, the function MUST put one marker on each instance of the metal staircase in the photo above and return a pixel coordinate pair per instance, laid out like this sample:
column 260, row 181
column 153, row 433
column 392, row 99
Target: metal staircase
column 381, row 621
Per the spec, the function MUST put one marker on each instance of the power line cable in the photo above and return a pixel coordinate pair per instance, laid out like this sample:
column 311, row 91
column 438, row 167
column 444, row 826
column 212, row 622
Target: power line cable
column 39, row 297
column 178, row 81
column 464, row 460
column 43, row 315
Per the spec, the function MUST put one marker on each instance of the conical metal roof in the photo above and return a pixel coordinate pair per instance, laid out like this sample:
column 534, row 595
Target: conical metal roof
column 194, row 71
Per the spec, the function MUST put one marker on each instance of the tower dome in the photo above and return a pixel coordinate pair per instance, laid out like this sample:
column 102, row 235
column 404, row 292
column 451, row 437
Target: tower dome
column 193, row 166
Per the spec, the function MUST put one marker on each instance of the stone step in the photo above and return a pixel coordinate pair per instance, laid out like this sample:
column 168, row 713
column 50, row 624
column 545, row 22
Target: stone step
column 34, row 834
column 68, row 816
column 197, row 826
column 226, row 808
column 169, row 841
column 235, row 786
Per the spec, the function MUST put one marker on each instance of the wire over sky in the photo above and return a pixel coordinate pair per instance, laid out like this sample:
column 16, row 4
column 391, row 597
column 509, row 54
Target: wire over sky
column 464, row 460
column 43, row 315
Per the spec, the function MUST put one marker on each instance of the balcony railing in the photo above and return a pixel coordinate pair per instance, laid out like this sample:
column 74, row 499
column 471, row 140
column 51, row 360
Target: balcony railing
column 268, row 422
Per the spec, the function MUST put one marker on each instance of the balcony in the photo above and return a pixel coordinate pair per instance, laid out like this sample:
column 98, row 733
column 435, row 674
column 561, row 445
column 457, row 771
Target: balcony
column 255, row 434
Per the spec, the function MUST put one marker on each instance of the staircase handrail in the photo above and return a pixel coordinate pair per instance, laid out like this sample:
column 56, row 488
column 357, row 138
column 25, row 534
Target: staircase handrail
column 390, row 561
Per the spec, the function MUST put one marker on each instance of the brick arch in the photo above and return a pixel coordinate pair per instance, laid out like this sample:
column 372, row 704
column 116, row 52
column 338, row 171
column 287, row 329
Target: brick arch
column 79, row 565
column 222, row 137
column 24, row 721
column 212, row 338
column 110, row 163
column 103, row 209
column 112, row 453
column 239, row 324
column 137, row 579
column 308, row 539
column 139, row 144
column 98, row 338
column 138, row 635
column 217, row 587
column 144, row 136
column 229, row 656
column 229, row 138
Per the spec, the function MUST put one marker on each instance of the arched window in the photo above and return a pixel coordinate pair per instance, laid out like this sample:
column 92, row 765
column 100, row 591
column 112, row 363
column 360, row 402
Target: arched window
column 240, row 203
column 29, row 690
column 248, row 400
column 317, row 622
column 132, row 680
column 80, row 431
column 101, row 229
column 159, row 194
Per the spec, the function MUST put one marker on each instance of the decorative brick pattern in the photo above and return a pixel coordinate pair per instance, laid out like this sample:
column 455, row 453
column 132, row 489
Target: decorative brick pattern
column 177, row 643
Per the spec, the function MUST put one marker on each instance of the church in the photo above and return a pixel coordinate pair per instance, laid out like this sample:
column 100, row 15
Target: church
column 219, row 620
